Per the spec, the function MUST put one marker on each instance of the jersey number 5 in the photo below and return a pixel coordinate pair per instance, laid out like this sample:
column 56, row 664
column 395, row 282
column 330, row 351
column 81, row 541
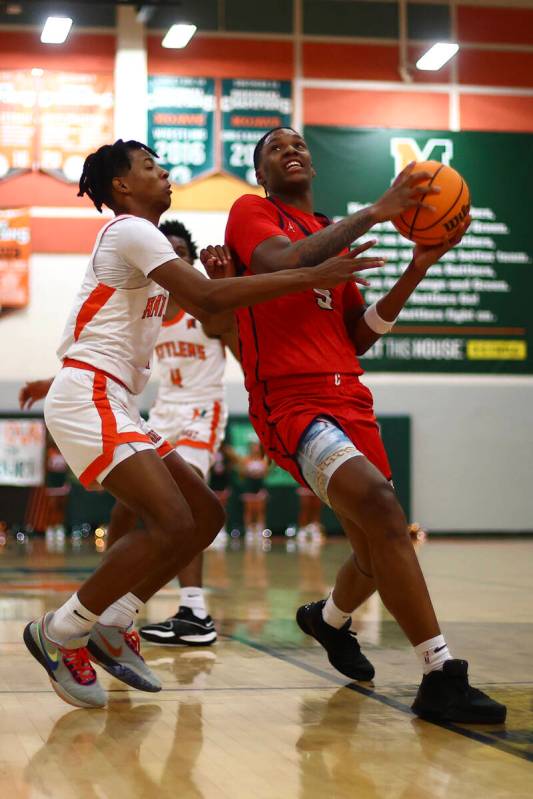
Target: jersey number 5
column 324, row 299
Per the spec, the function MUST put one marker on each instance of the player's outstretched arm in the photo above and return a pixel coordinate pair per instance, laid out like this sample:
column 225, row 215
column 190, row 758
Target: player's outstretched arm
column 203, row 297
column 33, row 391
column 278, row 252
column 390, row 305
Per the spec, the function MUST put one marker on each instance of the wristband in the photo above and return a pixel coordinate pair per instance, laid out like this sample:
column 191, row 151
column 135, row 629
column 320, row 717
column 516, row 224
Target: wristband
column 375, row 322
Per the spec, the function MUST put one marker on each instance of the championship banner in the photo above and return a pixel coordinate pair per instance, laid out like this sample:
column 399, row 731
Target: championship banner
column 75, row 117
column 22, row 451
column 52, row 120
column 14, row 258
column 472, row 312
column 18, row 93
column 250, row 108
column 181, row 125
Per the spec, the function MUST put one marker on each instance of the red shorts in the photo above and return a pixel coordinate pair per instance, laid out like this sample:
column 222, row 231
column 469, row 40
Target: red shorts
column 282, row 409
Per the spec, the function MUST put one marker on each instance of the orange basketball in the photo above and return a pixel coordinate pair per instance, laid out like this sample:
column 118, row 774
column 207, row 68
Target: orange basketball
column 452, row 205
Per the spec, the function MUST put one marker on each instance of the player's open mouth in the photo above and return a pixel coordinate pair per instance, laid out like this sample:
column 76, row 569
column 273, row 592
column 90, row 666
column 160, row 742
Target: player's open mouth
column 292, row 165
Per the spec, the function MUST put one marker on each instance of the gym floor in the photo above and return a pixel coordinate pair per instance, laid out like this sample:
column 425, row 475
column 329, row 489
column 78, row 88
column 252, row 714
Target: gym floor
column 262, row 714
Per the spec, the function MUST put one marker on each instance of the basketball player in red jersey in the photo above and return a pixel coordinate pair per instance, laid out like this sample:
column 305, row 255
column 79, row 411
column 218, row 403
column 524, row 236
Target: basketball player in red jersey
column 106, row 353
column 315, row 418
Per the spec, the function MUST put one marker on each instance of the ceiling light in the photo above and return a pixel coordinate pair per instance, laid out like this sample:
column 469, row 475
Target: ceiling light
column 56, row 30
column 437, row 56
column 179, row 36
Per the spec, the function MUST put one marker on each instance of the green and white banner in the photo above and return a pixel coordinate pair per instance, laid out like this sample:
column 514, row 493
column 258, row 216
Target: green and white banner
column 249, row 109
column 181, row 125
column 472, row 312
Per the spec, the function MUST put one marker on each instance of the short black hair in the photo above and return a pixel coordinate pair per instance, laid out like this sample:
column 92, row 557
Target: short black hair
column 174, row 228
column 108, row 162
column 258, row 149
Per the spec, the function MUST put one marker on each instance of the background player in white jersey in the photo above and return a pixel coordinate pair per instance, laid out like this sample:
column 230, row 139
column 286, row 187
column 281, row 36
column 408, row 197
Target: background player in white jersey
column 106, row 352
column 190, row 412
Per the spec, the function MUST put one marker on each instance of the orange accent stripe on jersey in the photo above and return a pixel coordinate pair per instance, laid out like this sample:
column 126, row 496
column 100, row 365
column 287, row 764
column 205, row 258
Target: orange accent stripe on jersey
column 96, row 300
column 110, row 437
column 210, row 445
column 175, row 319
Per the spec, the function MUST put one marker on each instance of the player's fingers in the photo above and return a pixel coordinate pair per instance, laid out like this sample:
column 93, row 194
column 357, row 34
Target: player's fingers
column 361, row 281
column 362, row 248
column 418, row 202
column 404, row 173
column 423, row 191
column 220, row 253
column 418, row 177
column 208, row 252
column 367, row 263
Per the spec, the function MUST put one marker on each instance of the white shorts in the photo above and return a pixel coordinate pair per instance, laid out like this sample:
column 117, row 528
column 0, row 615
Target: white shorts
column 195, row 429
column 95, row 423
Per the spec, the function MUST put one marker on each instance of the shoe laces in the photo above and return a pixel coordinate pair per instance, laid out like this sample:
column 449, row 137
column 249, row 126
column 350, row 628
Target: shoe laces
column 133, row 640
column 77, row 662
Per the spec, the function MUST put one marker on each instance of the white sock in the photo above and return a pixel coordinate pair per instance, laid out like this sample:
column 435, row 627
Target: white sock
column 193, row 597
column 72, row 620
column 123, row 612
column 333, row 615
column 433, row 653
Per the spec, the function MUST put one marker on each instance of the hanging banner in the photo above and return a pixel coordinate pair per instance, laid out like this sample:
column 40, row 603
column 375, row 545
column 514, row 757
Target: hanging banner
column 14, row 258
column 472, row 312
column 181, row 125
column 22, row 444
column 53, row 120
column 18, row 93
column 75, row 117
column 250, row 108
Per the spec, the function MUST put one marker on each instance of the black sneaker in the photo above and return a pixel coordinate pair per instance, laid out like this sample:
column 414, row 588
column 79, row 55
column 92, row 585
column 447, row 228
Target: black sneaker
column 183, row 629
column 342, row 646
column 447, row 696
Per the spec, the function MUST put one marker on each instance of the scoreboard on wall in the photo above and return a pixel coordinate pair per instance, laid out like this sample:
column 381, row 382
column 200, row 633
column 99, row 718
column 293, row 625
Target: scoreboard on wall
column 472, row 312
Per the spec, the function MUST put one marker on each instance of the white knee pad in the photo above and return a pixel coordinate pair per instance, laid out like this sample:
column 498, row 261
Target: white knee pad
column 322, row 449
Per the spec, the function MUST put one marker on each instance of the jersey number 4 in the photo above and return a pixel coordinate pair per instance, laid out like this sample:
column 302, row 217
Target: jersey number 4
column 175, row 377
column 324, row 299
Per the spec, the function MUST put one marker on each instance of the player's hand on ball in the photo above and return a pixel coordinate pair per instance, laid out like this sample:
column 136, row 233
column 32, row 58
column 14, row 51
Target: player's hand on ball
column 342, row 268
column 424, row 256
column 217, row 262
column 406, row 192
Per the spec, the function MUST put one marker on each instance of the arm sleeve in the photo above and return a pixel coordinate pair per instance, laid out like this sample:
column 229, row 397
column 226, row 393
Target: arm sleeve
column 251, row 221
column 142, row 246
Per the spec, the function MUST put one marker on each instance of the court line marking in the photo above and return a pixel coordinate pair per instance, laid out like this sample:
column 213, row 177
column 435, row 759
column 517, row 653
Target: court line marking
column 185, row 690
column 473, row 735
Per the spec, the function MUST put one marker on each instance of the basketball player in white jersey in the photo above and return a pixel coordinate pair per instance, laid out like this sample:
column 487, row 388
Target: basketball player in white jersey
column 106, row 351
column 190, row 413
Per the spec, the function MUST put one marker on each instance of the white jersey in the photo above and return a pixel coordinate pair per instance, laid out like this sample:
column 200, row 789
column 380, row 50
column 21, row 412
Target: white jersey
column 191, row 364
column 116, row 318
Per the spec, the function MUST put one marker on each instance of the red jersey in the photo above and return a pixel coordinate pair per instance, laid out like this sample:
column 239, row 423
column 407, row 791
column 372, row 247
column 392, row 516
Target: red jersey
column 299, row 334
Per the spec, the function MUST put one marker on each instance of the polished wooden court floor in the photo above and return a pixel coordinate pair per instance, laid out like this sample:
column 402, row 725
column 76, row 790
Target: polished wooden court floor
column 262, row 715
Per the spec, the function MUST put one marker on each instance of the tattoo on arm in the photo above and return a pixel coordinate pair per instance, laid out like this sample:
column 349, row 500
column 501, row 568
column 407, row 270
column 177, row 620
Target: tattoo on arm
column 331, row 240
